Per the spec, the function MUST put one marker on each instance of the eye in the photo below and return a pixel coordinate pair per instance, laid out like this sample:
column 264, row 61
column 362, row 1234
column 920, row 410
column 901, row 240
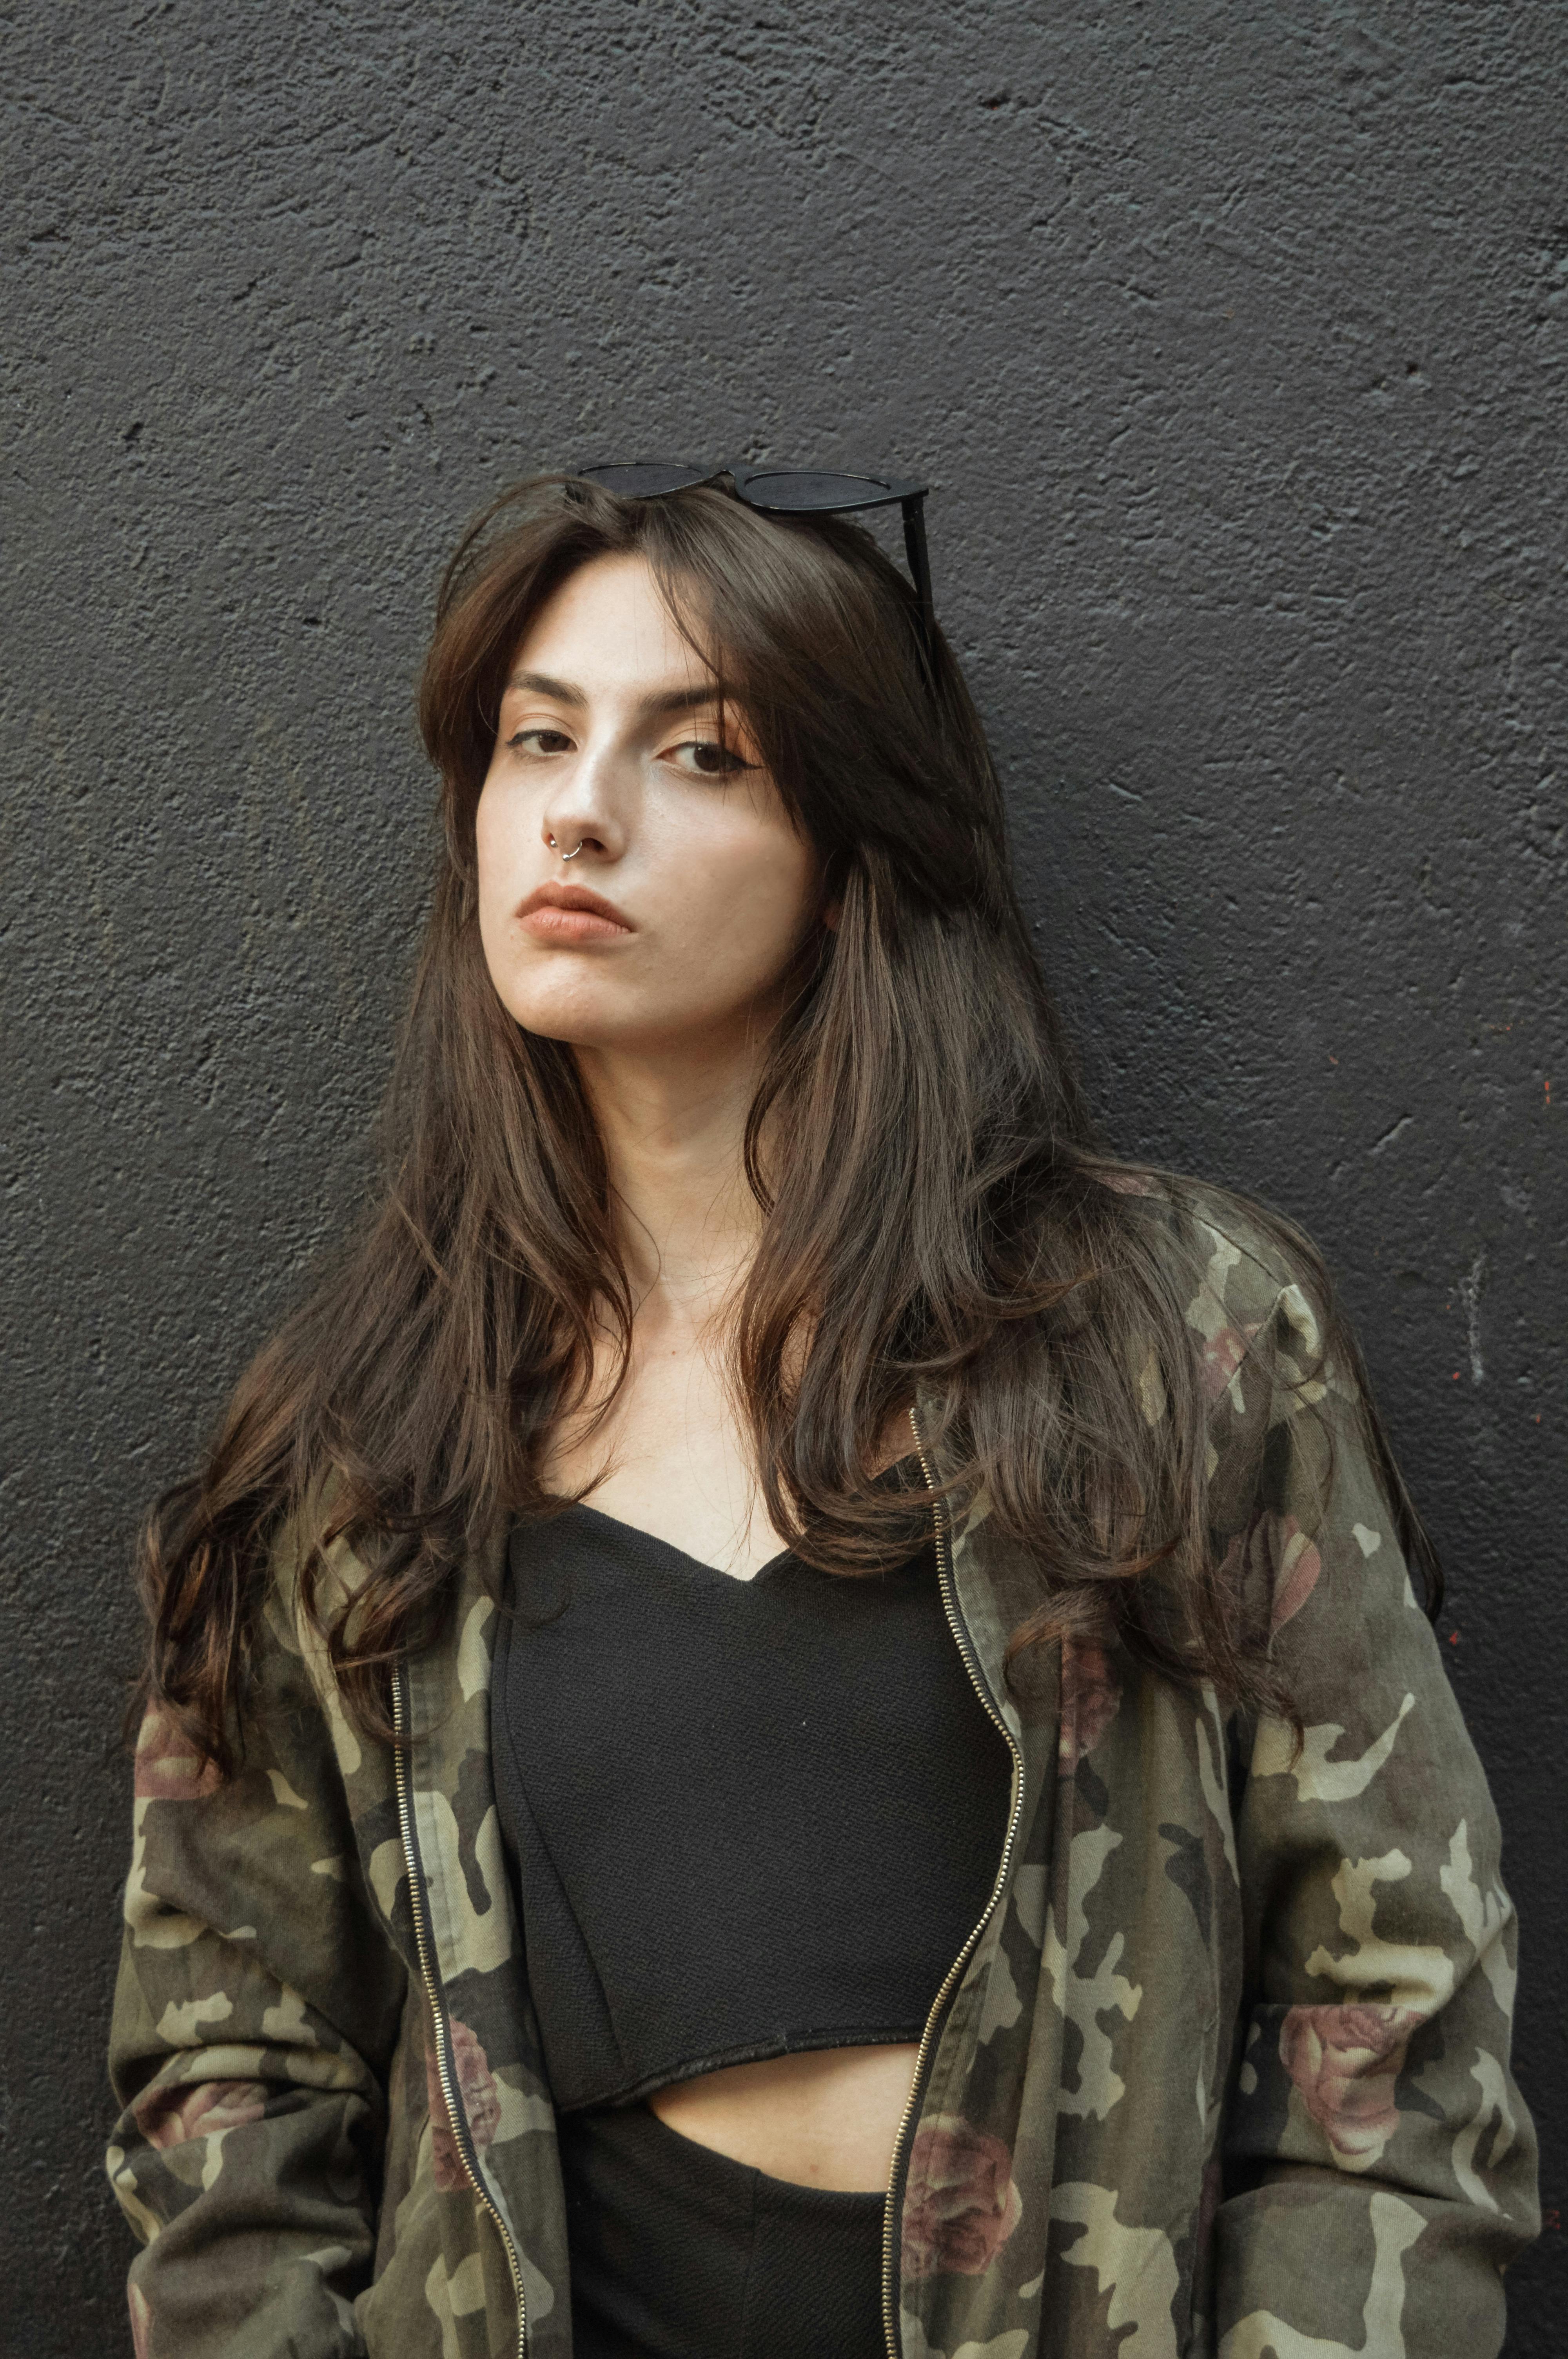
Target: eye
column 708, row 759
column 539, row 740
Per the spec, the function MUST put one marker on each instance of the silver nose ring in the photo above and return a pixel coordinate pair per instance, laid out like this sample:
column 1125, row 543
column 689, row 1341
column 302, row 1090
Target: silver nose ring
column 569, row 855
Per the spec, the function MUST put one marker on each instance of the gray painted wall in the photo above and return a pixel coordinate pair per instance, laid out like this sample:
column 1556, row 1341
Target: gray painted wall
column 1233, row 338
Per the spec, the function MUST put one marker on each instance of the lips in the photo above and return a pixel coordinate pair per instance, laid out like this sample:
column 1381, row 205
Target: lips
column 571, row 913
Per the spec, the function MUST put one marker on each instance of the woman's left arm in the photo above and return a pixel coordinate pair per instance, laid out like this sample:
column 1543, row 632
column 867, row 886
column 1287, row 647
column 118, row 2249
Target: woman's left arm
column 1380, row 2164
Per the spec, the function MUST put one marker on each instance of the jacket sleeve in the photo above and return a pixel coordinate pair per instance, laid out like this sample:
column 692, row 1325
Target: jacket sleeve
column 256, row 2016
column 1379, row 2166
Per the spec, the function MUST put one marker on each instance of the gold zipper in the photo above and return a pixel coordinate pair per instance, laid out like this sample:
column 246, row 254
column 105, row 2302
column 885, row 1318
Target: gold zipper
column 444, row 2065
column 955, row 1971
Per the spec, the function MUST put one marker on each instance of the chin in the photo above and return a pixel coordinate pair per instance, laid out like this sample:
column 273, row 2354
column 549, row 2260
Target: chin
column 596, row 1010
column 565, row 1006
column 582, row 1020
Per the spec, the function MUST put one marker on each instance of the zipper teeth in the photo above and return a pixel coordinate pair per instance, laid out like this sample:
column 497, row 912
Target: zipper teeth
column 455, row 2114
column 1015, row 1812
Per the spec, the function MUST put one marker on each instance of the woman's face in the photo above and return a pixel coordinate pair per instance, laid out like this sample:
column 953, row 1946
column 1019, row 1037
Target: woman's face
column 698, row 892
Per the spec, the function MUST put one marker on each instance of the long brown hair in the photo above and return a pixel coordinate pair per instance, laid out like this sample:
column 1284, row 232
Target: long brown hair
column 943, row 1217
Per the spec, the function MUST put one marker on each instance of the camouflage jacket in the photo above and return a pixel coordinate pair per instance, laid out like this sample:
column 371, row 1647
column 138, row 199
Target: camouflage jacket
column 1223, row 2070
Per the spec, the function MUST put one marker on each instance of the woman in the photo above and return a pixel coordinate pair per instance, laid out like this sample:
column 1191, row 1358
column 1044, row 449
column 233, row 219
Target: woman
column 790, row 1717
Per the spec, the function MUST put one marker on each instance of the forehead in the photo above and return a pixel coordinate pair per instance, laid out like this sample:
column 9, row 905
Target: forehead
column 607, row 628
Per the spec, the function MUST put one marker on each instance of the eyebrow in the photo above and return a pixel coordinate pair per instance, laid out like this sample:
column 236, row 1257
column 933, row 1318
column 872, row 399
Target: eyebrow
column 564, row 691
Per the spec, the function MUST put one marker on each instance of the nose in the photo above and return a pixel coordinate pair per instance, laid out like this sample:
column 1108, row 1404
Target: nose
column 583, row 815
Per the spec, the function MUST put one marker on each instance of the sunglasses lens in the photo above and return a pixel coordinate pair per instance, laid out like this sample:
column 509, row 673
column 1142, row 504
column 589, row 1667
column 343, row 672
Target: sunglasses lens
column 648, row 481
column 795, row 488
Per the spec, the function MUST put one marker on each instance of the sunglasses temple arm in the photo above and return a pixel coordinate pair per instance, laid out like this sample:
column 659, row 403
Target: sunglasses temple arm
column 920, row 567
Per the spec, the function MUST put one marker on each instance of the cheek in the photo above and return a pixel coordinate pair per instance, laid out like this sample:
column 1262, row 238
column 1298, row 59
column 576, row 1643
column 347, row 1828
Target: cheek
column 746, row 903
column 502, row 846
column 491, row 836
column 496, row 855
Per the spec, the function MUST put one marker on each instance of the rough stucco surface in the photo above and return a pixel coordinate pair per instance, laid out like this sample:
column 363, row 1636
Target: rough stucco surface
column 1233, row 338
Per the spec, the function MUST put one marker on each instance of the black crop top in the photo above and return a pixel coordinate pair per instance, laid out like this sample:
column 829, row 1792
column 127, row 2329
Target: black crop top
column 744, row 1818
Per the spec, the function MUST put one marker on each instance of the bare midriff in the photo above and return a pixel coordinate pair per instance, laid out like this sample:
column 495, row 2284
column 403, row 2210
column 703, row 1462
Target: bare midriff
column 824, row 2119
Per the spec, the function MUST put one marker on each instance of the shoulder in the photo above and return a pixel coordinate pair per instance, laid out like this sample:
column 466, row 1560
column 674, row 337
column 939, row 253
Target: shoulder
column 1271, row 1371
column 1238, row 1271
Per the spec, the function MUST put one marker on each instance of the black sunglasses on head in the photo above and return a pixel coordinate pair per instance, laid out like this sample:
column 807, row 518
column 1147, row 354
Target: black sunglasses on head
column 792, row 491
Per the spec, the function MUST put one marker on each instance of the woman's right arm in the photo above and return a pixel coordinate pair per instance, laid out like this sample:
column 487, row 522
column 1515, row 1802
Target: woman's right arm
column 257, row 2009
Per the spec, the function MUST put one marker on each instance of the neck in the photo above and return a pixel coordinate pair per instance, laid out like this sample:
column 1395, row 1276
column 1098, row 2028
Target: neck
column 673, row 1126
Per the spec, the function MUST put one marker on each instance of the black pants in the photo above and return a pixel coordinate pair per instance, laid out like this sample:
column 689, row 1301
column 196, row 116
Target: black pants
column 677, row 2253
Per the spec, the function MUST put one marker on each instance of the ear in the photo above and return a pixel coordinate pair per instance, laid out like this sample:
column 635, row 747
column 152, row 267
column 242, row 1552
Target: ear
column 831, row 915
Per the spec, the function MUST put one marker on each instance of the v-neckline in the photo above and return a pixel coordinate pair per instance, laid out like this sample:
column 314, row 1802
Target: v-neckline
column 716, row 1571
column 671, row 1548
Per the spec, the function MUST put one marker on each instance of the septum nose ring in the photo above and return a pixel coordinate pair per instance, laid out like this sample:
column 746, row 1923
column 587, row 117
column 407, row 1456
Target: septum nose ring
column 570, row 856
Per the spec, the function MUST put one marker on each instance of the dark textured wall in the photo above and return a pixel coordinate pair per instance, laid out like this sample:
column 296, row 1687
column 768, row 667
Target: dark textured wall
column 1233, row 338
